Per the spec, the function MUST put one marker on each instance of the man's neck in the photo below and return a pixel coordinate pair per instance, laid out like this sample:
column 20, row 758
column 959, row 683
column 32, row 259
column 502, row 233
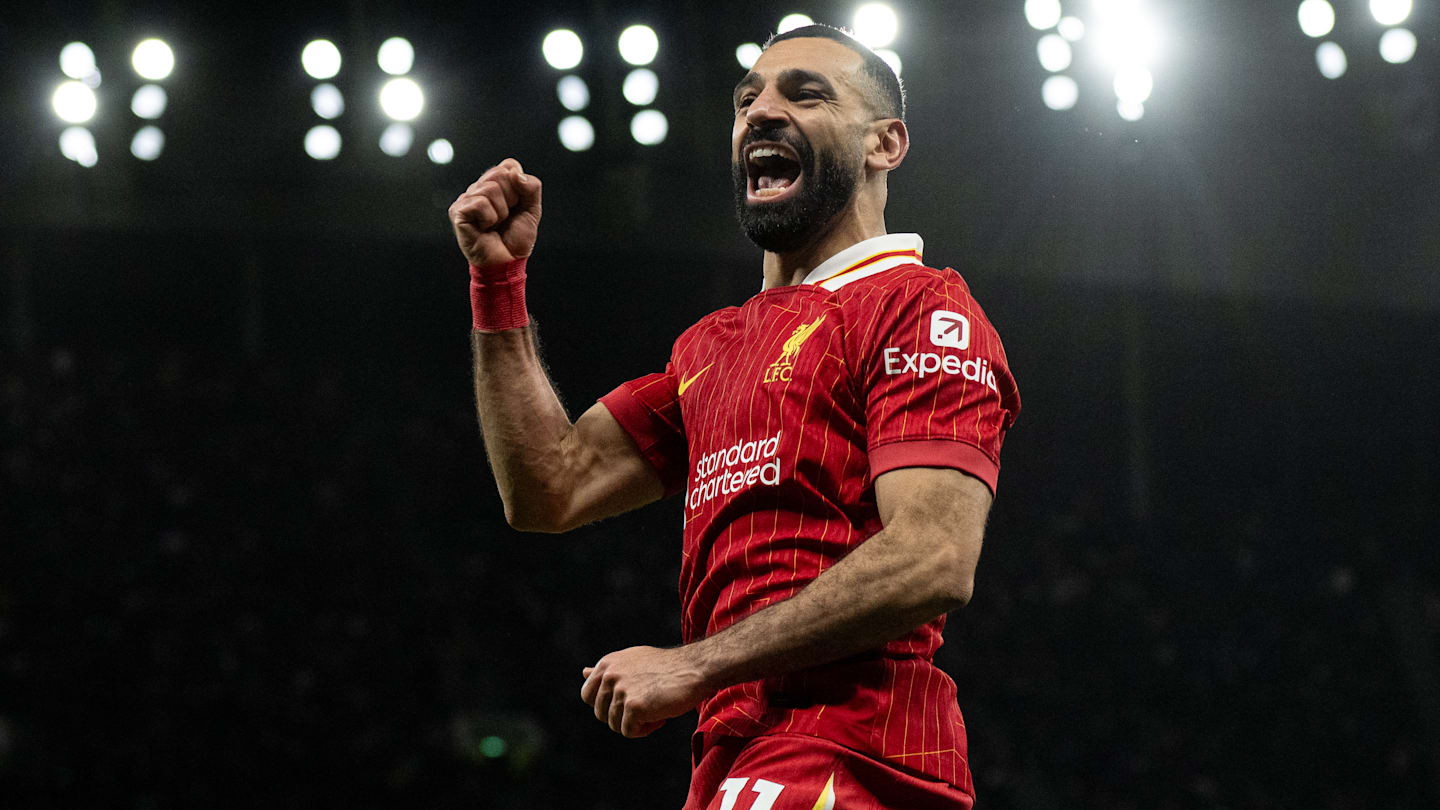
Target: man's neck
column 787, row 269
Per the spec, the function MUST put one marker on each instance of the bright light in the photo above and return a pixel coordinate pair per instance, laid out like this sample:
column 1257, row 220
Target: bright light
column 649, row 127
column 1134, row 84
column 1330, row 58
column 77, row 60
column 1317, row 18
column 395, row 141
column 792, row 21
column 321, row 59
column 1060, row 92
column 746, row 54
column 440, row 151
column 1130, row 110
column 1054, row 52
column 641, row 86
column 890, row 58
column 1125, row 35
column 1390, row 12
column 153, row 59
column 638, row 45
column 576, row 133
column 1042, row 14
column 574, row 93
column 327, row 101
column 562, row 49
column 1397, row 46
column 396, row 56
column 149, row 101
column 1072, row 28
column 876, row 25
column 77, row 144
column 322, row 142
column 148, row 143
column 74, row 102
column 401, row 99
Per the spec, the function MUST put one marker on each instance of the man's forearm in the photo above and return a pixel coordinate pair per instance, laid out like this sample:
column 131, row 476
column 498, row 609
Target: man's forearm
column 882, row 590
column 521, row 419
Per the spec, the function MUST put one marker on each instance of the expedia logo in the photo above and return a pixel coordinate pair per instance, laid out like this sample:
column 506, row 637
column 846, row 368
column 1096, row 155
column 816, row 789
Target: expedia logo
column 784, row 365
column 947, row 330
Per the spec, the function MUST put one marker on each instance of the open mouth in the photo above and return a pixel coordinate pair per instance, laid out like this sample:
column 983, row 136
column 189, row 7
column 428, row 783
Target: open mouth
column 774, row 172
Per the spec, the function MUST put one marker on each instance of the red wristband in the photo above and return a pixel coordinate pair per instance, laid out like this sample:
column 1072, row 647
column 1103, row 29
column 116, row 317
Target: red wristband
column 497, row 296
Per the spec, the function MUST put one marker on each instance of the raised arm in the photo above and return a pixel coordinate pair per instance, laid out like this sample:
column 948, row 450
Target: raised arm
column 553, row 475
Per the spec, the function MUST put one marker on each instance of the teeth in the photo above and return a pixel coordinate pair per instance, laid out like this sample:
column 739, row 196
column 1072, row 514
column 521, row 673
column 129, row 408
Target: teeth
column 767, row 151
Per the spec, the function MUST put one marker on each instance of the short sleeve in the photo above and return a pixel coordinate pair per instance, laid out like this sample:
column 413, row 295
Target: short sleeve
column 648, row 409
column 935, row 382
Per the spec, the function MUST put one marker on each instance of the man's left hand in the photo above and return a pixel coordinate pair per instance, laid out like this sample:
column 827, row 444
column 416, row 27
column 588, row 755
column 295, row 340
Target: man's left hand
column 636, row 690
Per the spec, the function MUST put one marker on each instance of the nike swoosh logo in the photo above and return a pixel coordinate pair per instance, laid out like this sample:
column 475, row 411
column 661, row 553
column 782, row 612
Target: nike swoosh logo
column 684, row 384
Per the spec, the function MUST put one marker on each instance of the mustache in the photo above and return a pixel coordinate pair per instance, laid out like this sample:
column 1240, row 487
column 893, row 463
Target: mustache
column 780, row 135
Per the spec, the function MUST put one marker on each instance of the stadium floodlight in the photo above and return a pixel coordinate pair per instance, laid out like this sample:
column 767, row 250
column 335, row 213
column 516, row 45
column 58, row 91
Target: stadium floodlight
column 395, row 141
column 1054, row 52
column 890, row 58
column 149, row 102
column 402, row 99
column 1042, row 14
column 1317, row 18
column 153, row 59
column 576, row 134
column 77, row 144
column 876, row 25
column 321, row 59
column 792, row 21
column 322, row 142
column 641, row 86
column 396, row 56
column 74, row 102
column 148, row 143
column 1330, row 58
column 1125, row 34
column 1390, row 12
column 1060, row 92
column 638, row 45
column 440, row 151
column 1134, row 84
column 1071, row 28
column 327, row 101
column 1130, row 110
column 562, row 49
column 574, row 93
column 649, row 127
column 1397, row 46
column 746, row 54
column 77, row 61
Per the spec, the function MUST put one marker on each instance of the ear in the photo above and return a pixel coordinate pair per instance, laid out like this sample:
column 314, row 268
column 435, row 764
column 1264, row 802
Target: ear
column 892, row 142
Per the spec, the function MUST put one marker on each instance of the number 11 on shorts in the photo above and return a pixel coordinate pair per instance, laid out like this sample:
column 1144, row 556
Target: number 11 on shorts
column 768, row 792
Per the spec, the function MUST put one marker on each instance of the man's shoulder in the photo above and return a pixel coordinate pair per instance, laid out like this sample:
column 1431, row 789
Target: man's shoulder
column 899, row 283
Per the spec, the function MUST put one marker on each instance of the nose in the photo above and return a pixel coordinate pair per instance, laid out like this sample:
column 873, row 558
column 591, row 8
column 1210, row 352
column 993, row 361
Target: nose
column 768, row 109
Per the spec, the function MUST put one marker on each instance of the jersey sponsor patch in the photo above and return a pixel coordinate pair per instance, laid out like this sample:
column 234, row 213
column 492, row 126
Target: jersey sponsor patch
column 949, row 329
column 737, row 467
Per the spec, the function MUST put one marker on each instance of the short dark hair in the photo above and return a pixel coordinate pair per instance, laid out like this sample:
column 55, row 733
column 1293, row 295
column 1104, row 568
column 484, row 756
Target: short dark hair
column 888, row 94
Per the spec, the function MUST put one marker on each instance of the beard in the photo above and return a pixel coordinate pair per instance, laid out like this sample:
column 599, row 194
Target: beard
column 779, row 227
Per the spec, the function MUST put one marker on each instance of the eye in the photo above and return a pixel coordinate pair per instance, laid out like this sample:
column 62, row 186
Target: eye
column 745, row 100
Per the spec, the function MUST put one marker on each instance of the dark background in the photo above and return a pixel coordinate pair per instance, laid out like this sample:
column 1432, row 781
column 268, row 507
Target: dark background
column 250, row 552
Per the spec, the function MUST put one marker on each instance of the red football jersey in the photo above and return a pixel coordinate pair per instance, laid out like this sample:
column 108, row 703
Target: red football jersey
column 774, row 418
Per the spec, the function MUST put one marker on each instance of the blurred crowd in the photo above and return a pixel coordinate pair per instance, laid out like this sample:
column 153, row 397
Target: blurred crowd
column 236, row 583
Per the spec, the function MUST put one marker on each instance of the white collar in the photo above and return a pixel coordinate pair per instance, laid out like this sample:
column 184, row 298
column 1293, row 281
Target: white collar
column 874, row 255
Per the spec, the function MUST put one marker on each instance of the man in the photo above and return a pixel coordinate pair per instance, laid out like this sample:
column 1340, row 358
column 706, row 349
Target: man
column 836, row 437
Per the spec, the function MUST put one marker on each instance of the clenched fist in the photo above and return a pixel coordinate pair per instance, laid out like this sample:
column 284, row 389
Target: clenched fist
column 497, row 219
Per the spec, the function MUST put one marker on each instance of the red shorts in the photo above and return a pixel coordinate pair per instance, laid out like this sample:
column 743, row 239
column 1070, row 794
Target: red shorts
column 800, row 772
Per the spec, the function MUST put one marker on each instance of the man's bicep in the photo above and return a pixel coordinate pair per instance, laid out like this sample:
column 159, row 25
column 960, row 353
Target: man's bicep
column 615, row 477
column 939, row 508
